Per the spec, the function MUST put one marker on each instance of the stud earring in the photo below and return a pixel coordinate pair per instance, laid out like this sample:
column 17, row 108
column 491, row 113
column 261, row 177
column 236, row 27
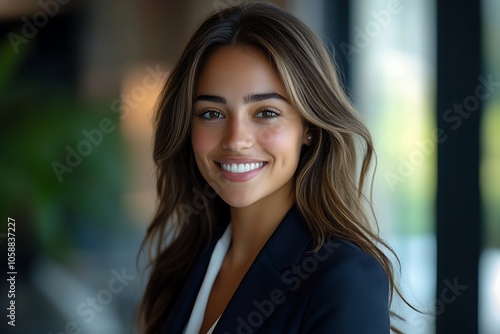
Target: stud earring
column 309, row 138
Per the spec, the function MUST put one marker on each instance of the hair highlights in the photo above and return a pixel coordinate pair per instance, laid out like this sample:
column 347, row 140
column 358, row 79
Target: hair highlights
column 332, row 171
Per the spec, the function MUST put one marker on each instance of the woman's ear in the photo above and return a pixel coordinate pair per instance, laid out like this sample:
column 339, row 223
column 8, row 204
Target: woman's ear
column 307, row 138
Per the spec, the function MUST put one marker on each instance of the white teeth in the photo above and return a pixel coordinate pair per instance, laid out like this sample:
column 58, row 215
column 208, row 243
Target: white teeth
column 241, row 168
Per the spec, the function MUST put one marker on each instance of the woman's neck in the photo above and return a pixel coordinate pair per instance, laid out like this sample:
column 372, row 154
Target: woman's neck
column 252, row 226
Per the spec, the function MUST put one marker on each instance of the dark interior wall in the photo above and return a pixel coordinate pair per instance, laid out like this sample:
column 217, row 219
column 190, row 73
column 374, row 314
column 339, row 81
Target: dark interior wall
column 459, row 106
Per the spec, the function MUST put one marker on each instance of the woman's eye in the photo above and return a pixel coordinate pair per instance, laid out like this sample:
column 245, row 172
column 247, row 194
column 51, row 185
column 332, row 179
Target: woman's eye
column 211, row 115
column 267, row 113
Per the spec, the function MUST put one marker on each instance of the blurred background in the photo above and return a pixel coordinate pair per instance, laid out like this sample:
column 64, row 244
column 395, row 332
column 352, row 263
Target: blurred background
column 79, row 80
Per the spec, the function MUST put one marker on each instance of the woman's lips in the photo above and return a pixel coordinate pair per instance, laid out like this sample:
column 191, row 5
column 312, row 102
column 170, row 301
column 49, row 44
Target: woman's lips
column 241, row 167
column 240, row 172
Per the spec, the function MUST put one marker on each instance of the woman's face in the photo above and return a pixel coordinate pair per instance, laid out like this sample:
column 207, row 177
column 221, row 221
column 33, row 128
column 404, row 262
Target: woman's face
column 246, row 136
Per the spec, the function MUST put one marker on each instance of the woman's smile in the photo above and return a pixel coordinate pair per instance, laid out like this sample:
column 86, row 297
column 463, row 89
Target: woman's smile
column 241, row 168
column 246, row 135
column 240, row 171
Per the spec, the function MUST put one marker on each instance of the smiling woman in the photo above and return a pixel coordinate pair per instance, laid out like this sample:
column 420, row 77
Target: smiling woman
column 254, row 122
column 246, row 136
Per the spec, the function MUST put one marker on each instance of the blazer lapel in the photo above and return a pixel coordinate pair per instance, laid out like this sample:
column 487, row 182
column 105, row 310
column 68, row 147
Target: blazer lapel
column 181, row 311
column 252, row 302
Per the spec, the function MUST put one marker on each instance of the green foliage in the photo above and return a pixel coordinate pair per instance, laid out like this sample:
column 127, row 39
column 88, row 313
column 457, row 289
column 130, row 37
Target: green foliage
column 39, row 121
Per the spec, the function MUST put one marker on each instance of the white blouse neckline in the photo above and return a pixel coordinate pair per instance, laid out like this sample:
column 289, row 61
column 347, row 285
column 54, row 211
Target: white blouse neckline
column 197, row 314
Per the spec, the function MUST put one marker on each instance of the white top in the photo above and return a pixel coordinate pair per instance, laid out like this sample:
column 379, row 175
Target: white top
column 194, row 324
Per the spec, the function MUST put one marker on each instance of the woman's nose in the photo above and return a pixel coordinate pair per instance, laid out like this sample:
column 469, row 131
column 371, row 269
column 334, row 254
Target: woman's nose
column 237, row 135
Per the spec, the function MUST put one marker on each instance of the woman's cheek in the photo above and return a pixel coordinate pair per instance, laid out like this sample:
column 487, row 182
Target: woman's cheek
column 271, row 135
column 281, row 139
column 203, row 141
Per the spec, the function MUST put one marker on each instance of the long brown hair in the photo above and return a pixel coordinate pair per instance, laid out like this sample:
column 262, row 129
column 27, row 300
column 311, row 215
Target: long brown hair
column 331, row 175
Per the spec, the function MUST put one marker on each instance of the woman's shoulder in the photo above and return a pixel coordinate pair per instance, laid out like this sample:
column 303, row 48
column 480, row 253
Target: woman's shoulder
column 343, row 261
column 345, row 283
column 292, row 247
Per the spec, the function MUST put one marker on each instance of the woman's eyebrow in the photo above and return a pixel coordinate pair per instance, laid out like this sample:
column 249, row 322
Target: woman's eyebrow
column 247, row 99
column 210, row 98
column 261, row 97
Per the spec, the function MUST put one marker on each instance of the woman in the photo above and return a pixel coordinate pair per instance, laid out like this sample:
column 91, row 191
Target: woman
column 261, row 163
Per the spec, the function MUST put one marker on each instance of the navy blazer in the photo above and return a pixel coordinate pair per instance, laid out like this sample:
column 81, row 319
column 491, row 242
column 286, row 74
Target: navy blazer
column 289, row 289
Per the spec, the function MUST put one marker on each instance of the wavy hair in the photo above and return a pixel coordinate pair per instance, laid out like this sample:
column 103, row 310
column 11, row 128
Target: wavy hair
column 330, row 177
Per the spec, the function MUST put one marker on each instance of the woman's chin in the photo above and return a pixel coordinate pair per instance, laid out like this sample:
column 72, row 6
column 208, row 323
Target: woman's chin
column 237, row 200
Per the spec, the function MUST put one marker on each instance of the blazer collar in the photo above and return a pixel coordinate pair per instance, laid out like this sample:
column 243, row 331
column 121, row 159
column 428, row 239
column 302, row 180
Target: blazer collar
column 263, row 279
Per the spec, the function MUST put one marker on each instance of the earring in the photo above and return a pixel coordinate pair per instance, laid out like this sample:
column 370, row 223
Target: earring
column 309, row 138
